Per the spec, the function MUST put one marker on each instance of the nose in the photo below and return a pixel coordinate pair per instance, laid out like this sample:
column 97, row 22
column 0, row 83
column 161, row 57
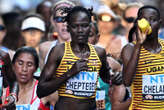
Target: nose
column 64, row 23
column 79, row 29
column 24, row 68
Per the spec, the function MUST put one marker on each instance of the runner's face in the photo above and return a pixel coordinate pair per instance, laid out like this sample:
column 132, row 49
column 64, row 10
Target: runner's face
column 24, row 67
column 152, row 16
column 93, row 38
column 79, row 27
column 32, row 37
column 61, row 27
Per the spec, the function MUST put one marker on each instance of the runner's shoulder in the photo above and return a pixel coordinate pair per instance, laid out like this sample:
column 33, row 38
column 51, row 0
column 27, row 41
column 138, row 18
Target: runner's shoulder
column 100, row 50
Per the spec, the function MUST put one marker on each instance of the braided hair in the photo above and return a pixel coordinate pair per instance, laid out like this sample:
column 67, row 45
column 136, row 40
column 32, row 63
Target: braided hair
column 71, row 11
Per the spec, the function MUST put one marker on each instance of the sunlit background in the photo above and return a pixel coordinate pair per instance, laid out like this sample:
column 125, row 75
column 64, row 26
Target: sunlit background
column 30, row 5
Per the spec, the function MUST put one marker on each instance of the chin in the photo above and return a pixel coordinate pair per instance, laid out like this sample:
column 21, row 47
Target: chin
column 23, row 81
column 66, row 37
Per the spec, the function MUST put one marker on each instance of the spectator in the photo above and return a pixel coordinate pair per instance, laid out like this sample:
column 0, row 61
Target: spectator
column 2, row 30
column 44, row 9
column 13, row 38
column 33, row 30
column 2, row 35
column 103, row 89
column 129, row 16
column 160, row 4
column 57, row 20
column 7, row 78
column 113, row 43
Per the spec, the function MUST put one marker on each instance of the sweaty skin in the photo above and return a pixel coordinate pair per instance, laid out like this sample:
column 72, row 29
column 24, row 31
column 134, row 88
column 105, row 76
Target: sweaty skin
column 146, row 46
column 79, row 28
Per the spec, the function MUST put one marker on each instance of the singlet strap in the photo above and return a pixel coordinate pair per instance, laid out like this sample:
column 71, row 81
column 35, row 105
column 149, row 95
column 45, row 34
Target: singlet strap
column 43, row 107
column 7, row 94
column 34, row 96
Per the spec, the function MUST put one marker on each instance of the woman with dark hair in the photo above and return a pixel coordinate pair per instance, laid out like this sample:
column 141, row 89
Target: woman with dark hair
column 25, row 62
column 2, row 36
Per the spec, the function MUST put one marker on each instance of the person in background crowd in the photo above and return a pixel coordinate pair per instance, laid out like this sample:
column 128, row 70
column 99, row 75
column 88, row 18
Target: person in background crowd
column 7, row 78
column 103, row 89
column 113, row 43
column 10, row 31
column 2, row 35
column 44, row 9
column 75, row 63
column 58, row 21
column 33, row 30
column 129, row 16
column 13, row 38
column 25, row 62
column 142, row 63
column 160, row 5
column 121, row 95
column 2, row 30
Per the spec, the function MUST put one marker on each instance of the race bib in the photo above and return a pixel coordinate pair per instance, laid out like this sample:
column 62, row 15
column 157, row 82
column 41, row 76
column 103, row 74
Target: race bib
column 23, row 107
column 83, row 84
column 153, row 87
column 100, row 100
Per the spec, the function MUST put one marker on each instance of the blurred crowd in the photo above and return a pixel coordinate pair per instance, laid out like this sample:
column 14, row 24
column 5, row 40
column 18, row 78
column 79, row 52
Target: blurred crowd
column 114, row 18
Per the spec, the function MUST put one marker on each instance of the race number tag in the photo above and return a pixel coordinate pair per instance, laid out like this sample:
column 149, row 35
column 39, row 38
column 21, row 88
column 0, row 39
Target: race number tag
column 83, row 84
column 153, row 87
column 24, row 107
column 100, row 100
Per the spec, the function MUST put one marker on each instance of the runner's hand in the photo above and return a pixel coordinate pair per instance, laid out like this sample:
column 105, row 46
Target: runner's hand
column 116, row 77
column 141, row 36
column 10, row 105
column 80, row 65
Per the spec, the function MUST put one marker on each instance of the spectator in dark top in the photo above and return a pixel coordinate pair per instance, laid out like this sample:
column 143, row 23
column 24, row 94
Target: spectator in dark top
column 44, row 9
column 13, row 38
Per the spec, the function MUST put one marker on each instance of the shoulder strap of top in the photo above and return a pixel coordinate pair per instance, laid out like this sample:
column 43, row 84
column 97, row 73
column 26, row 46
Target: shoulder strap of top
column 34, row 96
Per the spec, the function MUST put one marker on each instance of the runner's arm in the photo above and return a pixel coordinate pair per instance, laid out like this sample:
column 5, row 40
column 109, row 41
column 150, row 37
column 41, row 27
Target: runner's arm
column 49, row 82
column 130, row 56
column 104, row 71
column 117, row 98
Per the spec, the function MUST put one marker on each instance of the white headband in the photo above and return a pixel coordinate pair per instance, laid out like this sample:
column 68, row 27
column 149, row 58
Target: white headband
column 33, row 22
